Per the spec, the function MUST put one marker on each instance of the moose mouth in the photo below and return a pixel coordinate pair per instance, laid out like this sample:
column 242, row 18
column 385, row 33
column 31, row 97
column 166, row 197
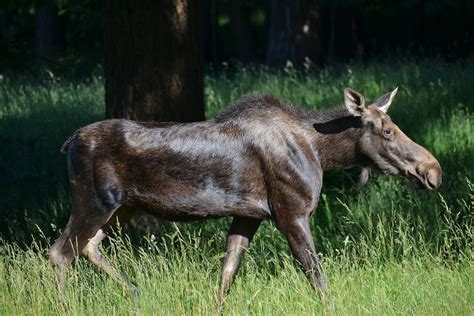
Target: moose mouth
column 416, row 182
column 419, row 183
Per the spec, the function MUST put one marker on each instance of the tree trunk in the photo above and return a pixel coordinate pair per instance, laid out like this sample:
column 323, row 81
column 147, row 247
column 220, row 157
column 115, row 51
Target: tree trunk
column 153, row 66
column 153, row 60
column 241, row 31
column 342, row 32
column 3, row 28
column 209, row 30
column 294, row 32
column 50, row 33
column 416, row 19
column 308, row 36
column 282, row 30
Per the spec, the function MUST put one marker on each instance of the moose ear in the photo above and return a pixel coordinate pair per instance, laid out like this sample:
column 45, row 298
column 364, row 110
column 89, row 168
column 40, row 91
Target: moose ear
column 383, row 103
column 354, row 102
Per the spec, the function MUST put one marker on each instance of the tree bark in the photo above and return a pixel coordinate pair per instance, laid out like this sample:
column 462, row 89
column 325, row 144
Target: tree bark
column 282, row 30
column 209, row 30
column 416, row 18
column 342, row 32
column 294, row 32
column 308, row 40
column 153, row 60
column 50, row 33
column 241, row 31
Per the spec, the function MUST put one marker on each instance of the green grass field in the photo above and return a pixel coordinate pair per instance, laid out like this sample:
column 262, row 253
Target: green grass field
column 385, row 248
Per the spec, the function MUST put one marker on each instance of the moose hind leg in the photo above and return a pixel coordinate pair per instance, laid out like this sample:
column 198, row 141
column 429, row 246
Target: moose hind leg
column 240, row 234
column 60, row 254
column 90, row 213
column 92, row 253
column 71, row 243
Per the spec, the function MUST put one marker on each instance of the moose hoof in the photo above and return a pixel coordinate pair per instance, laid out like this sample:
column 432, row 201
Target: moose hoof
column 134, row 290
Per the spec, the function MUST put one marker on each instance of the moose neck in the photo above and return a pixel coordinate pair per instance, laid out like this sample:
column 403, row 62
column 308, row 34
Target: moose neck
column 337, row 136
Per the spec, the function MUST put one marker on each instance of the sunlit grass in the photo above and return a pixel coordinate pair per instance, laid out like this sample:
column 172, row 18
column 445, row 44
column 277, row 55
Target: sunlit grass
column 184, row 281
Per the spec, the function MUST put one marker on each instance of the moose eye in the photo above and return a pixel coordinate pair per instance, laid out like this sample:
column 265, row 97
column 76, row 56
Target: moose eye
column 387, row 133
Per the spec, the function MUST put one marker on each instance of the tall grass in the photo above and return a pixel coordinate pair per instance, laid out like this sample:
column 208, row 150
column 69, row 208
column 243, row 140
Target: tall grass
column 386, row 248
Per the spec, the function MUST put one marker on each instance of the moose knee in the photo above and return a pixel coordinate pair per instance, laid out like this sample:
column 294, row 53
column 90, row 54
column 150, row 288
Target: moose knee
column 59, row 256
column 91, row 248
column 110, row 198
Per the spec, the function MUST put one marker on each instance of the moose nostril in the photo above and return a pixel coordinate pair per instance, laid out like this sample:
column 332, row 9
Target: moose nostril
column 433, row 177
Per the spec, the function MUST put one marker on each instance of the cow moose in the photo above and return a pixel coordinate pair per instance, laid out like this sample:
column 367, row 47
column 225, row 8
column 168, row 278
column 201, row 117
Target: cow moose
column 258, row 159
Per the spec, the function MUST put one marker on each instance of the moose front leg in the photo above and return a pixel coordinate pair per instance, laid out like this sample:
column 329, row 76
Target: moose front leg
column 300, row 240
column 240, row 234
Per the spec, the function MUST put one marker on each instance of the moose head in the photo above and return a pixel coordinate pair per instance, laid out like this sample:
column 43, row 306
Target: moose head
column 387, row 148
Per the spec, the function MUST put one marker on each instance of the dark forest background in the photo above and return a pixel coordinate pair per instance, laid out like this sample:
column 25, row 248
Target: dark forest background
column 154, row 60
column 68, row 35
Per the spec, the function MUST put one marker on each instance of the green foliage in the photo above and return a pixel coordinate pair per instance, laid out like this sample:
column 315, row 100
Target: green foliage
column 386, row 248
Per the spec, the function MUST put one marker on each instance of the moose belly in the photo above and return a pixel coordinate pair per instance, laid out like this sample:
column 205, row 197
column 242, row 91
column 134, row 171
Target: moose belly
column 181, row 203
